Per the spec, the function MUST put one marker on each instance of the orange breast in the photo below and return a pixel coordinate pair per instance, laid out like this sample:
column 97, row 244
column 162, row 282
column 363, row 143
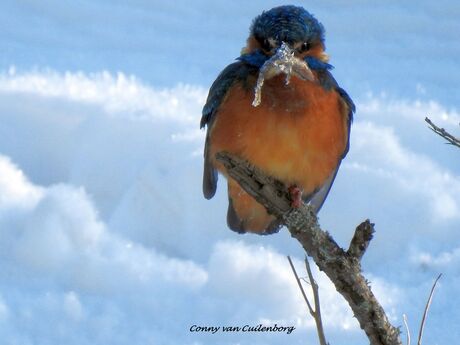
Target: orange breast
column 297, row 134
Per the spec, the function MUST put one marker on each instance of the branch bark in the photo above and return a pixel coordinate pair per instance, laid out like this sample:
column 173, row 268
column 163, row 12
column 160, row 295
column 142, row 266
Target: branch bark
column 443, row 133
column 342, row 267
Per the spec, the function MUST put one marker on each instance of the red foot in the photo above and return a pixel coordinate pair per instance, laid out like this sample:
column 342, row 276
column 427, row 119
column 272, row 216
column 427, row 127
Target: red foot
column 296, row 196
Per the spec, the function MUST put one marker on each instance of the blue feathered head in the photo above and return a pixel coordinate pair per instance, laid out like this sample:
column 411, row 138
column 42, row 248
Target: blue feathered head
column 290, row 24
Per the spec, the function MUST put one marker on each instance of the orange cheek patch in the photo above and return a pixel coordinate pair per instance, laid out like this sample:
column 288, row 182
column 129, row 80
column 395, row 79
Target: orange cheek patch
column 317, row 52
column 251, row 45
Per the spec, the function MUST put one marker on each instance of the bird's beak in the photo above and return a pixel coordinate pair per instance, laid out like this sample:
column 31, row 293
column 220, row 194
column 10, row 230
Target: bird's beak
column 292, row 65
column 283, row 61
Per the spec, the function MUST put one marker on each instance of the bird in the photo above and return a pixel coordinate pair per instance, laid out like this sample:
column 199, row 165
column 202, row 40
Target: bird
column 298, row 131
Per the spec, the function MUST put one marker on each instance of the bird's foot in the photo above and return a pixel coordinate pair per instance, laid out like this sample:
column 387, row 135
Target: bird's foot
column 296, row 196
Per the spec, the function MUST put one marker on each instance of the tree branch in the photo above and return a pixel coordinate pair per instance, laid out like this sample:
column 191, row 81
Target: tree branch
column 425, row 312
column 304, row 295
column 316, row 314
column 361, row 239
column 443, row 133
column 340, row 266
column 407, row 329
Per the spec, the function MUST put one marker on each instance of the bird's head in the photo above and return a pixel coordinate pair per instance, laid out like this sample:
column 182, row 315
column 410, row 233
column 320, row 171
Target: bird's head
column 289, row 24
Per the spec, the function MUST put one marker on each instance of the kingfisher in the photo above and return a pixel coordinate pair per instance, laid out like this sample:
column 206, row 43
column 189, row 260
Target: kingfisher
column 279, row 107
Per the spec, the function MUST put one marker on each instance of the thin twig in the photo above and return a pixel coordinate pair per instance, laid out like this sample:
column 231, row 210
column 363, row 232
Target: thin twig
column 317, row 316
column 407, row 328
column 425, row 313
column 305, row 280
column 310, row 309
column 316, row 313
column 443, row 133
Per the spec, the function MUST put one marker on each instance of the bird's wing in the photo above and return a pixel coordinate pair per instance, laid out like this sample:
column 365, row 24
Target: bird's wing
column 232, row 73
column 327, row 80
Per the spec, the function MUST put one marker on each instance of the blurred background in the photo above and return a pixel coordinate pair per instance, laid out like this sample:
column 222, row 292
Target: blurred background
column 105, row 235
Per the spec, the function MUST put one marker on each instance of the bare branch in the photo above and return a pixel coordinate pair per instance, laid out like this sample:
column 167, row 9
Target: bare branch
column 343, row 269
column 443, row 133
column 361, row 239
column 317, row 316
column 269, row 192
column 425, row 313
column 310, row 309
column 305, row 280
column 407, row 328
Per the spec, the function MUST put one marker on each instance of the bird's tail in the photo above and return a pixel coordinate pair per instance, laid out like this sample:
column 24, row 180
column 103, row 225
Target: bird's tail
column 245, row 214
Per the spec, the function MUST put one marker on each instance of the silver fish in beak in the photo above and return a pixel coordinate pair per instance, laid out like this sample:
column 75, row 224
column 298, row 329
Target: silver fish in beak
column 283, row 61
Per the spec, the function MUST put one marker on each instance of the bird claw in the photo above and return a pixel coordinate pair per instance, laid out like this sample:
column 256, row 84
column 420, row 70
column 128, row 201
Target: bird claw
column 296, row 196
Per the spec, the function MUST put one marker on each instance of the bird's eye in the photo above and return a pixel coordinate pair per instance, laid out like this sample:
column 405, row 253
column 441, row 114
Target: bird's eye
column 304, row 47
column 266, row 45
